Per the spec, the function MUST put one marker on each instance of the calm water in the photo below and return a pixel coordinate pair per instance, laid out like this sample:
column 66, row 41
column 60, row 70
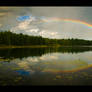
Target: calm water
column 46, row 66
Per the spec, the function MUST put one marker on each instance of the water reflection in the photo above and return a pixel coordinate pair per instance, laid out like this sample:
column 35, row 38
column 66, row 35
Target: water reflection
column 36, row 63
column 48, row 59
column 55, row 62
column 26, row 52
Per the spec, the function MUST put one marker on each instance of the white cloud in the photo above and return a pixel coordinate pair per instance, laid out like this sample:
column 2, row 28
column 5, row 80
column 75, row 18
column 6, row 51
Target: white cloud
column 33, row 30
column 47, row 33
column 53, row 33
column 23, row 25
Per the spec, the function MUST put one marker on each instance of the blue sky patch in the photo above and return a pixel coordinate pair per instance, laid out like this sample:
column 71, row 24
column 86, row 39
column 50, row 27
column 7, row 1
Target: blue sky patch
column 22, row 18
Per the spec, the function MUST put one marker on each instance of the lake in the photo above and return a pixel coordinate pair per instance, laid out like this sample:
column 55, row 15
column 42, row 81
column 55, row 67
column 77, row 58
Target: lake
column 46, row 66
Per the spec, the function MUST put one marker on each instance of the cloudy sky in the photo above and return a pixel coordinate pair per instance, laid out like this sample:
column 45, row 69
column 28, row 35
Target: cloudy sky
column 40, row 21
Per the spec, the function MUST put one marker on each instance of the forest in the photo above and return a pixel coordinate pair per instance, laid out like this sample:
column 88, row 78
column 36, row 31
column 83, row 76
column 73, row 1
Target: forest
column 8, row 38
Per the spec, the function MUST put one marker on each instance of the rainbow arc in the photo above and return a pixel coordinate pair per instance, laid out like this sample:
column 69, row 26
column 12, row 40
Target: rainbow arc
column 67, row 20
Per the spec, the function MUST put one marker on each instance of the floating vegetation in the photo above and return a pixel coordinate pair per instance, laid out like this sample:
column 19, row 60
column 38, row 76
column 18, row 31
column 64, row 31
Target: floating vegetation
column 1, row 59
column 18, row 79
column 15, row 68
column 58, row 77
column 84, row 74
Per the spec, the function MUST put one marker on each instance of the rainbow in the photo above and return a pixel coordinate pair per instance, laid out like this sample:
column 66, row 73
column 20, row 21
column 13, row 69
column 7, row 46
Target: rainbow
column 67, row 20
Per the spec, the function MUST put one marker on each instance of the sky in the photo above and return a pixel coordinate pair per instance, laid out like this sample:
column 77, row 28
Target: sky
column 48, row 22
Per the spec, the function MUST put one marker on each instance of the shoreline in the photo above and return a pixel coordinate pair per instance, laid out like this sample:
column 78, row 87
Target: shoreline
column 39, row 46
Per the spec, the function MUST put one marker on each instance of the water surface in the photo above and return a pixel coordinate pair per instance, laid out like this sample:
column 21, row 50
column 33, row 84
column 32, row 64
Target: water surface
column 46, row 66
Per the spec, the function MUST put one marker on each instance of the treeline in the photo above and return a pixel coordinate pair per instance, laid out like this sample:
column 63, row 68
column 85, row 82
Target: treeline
column 8, row 38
